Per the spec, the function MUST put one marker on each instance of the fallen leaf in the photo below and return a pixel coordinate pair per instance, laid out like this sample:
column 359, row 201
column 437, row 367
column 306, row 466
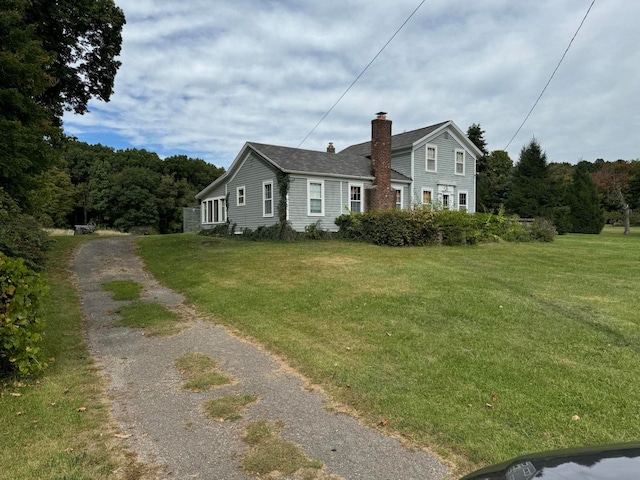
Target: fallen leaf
column 382, row 422
column 122, row 435
column 19, row 413
column 16, row 394
column 469, row 404
column 18, row 384
column 488, row 405
column 388, row 334
column 575, row 417
column 494, row 396
column 81, row 409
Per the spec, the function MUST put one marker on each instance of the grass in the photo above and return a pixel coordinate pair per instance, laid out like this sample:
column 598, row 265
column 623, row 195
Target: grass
column 427, row 337
column 201, row 372
column 154, row 318
column 271, row 453
column 42, row 433
column 228, row 408
column 123, row 289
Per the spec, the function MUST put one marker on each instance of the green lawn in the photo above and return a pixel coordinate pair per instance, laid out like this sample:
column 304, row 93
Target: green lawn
column 481, row 353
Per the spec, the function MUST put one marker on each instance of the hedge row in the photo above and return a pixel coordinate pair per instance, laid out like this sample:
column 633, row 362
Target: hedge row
column 420, row 226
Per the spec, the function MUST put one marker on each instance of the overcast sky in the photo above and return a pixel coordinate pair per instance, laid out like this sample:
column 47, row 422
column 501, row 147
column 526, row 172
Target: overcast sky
column 202, row 77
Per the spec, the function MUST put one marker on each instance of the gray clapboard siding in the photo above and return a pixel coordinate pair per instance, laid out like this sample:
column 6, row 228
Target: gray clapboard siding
column 251, row 174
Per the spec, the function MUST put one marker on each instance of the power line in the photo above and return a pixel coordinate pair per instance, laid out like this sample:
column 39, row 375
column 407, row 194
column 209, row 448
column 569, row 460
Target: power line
column 552, row 75
column 361, row 73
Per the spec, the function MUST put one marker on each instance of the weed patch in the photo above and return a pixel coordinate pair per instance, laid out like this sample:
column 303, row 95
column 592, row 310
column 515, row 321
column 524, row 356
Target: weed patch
column 201, row 372
column 271, row 453
column 123, row 289
column 228, row 408
column 154, row 318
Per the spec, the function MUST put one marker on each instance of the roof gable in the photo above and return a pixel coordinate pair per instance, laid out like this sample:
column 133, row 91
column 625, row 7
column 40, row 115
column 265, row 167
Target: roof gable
column 409, row 139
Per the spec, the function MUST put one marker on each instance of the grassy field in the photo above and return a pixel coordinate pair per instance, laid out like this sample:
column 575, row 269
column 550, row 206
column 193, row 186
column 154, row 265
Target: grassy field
column 58, row 426
column 479, row 353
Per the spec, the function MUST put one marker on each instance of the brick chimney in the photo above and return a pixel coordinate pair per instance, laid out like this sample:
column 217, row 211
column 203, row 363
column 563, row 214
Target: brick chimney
column 383, row 198
column 331, row 148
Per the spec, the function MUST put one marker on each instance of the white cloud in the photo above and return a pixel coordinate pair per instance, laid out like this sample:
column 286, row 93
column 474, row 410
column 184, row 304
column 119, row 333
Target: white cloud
column 201, row 77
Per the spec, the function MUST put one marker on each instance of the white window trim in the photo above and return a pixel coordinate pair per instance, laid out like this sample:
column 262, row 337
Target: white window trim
column 401, row 188
column 361, row 185
column 455, row 162
column 467, row 194
column 426, row 157
column 321, row 182
column 264, row 199
column 244, row 196
column 208, row 205
column 422, row 196
column 203, row 211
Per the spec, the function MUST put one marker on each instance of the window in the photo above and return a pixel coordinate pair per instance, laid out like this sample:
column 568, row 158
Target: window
column 315, row 194
column 462, row 201
column 355, row 198
column 432, row 155
column 398, row 192
column 203, row 208
column 459, row 162
column 445, row 201
column 426, row 197
column 214, row 211
column 240, row 196
column 267, row 199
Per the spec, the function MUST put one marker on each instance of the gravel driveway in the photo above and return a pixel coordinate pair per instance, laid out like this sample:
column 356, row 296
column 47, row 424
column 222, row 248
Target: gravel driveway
column 167, row 424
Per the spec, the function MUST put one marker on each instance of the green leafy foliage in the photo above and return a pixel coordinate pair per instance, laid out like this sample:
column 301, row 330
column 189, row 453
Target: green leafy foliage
column 421, row 226
column 21, row 326
column 134, row 190
column 542, row 230
column 20, row 235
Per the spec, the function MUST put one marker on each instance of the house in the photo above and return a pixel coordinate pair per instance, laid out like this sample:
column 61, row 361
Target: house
column 435, row 165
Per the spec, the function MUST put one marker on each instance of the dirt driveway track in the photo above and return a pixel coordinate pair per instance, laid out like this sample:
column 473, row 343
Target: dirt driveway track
column 167, row 424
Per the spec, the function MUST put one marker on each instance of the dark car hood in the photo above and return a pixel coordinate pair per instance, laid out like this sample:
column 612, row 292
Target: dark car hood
column 619, row 462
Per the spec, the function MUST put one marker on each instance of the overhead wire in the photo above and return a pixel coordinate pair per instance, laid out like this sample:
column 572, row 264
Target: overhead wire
column 360, row 74
column 551, row 77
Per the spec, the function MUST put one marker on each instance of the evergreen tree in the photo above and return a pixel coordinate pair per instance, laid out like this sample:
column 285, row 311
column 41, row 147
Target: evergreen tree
column 493, row 180
column 529, row 193
column 587, row 215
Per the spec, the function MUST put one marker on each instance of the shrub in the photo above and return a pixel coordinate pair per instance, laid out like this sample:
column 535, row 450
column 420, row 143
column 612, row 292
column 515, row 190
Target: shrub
column 222, row 230
column 21, row 327
column 21, row 236
column 315, row 232
column 456, row 228
column 421, row 226
column 542, row 230
column 501, row 227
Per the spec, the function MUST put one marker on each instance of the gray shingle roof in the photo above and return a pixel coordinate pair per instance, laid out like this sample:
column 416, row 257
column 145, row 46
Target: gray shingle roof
column 399, row 141
column 290, row 160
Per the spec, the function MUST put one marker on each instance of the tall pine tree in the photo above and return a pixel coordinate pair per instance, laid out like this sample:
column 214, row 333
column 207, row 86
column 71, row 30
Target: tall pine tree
column 530, row 188
column 587, row 215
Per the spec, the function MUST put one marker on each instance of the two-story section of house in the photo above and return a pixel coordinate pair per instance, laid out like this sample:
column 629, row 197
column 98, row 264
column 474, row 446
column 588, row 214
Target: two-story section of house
column 433, row 166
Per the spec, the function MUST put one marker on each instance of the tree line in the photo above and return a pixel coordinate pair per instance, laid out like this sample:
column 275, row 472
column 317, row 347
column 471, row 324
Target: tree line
column 578, row 198
column 128, row 190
